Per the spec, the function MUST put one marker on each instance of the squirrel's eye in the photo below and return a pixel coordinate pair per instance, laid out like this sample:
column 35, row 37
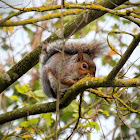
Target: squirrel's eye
column 84, row 66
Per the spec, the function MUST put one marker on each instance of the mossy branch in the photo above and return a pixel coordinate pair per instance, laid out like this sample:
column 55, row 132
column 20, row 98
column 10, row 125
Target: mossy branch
column 41, row 18
column 125, row 57
column 3, row 20
column 44, row 8
column 70, row 28
column 127, row 5
column 70, row 95
column 38, row 9
column 19, row 69
column 76, row 9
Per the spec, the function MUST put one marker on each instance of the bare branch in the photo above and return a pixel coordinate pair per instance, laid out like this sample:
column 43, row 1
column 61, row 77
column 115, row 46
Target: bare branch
column 124, row 58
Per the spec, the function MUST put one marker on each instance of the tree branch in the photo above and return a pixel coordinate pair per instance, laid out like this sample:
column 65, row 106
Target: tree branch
column 70, row 95
column 124, row 58
column 132, row 17
column 41, row 18
column 74, row 120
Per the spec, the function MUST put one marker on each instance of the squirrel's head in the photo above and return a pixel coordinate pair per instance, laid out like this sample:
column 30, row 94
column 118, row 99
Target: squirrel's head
column 85, row 64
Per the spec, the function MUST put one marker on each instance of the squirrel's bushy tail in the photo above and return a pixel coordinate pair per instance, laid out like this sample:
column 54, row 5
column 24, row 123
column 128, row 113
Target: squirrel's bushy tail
column 93, row 48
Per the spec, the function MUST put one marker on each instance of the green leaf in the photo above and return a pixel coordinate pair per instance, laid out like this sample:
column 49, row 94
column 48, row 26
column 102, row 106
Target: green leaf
column 5, row 47
column 31, row 94
column 34, row 121
column 39, row 93
column 29, row 31
column 126, row 21
column 66, row 114
column 77, row 35
column 138, row 67
column 80, row 125
column 23, row 88
column 93, row 125
column 102, row 18
column 14, row 97
column 48, row 118
column 115, row 26
column 75, row 115
column 24, row 124
column 106, row 113
column 11, row 13
column 114, row 16
column 36, row 84
column 75, row 106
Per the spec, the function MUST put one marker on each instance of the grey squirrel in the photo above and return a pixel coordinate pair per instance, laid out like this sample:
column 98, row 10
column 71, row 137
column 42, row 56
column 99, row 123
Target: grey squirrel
column 77, row 63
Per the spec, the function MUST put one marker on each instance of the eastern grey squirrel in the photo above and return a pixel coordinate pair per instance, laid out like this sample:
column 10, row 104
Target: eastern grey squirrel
column 77, row 63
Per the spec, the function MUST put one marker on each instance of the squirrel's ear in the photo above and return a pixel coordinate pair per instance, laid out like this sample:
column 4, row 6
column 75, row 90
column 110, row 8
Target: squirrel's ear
column 92, row 56
column 79, row 56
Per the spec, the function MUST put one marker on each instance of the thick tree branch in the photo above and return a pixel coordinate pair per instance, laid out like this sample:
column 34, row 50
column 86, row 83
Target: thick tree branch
column 70, row 95
column 70, row 28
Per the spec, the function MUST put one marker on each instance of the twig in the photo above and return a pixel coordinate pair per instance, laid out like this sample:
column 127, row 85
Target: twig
column 124, row 58
column 79, row 112
column 74, row 120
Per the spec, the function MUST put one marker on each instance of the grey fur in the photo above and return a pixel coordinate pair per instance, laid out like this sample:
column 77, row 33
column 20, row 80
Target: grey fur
column 91, row 49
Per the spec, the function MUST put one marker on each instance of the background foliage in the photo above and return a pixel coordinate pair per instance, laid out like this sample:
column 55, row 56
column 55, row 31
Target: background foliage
column 101, row 118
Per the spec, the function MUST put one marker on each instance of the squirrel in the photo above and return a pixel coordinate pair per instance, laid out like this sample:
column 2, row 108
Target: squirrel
column 77, row 63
